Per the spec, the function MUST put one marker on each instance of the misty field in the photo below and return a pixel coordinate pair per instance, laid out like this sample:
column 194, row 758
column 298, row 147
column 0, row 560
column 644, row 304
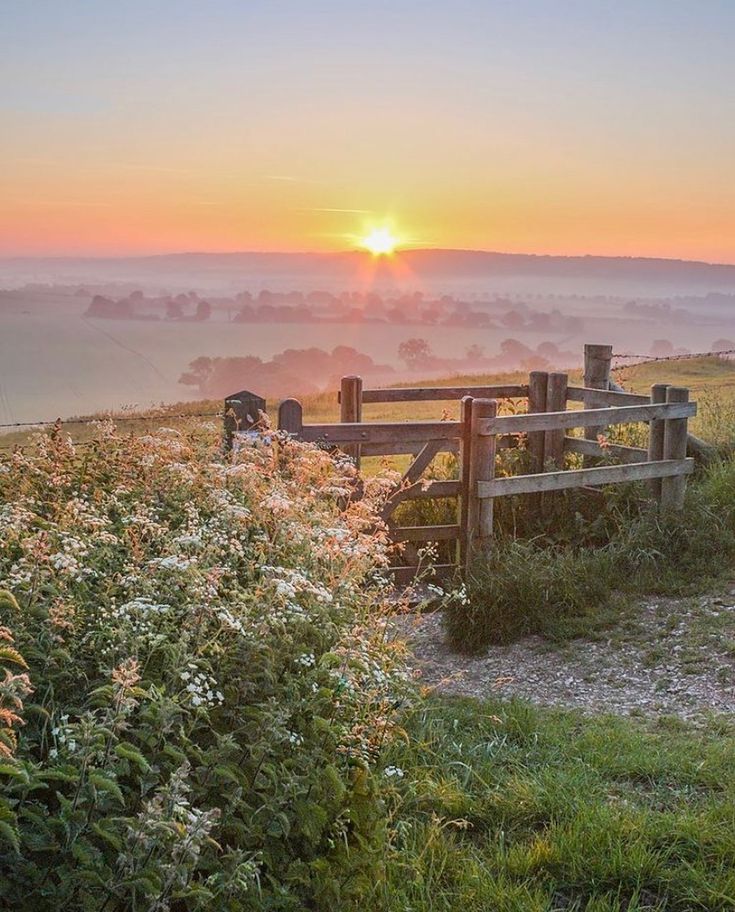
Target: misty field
column 55, row 362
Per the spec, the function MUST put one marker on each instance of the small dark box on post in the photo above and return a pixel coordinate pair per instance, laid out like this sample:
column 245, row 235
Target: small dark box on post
column 242, row 411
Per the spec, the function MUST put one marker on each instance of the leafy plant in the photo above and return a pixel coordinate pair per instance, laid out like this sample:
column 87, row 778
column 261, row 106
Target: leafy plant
column 212, row 684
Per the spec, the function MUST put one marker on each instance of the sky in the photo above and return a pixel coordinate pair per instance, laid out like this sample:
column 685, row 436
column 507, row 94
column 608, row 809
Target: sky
column 541, row 126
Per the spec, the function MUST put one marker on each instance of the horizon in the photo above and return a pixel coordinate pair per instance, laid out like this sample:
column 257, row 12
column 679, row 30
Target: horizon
column 365, row 254
column 139, row 131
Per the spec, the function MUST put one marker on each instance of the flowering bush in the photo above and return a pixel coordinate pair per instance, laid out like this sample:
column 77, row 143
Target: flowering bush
column 208, row 683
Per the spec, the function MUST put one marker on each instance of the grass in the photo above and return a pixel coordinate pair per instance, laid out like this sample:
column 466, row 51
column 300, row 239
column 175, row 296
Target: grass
column 514, row 809
column 576, row 573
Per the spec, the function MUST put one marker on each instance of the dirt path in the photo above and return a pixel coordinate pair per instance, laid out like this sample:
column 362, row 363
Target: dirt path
column 667, row 657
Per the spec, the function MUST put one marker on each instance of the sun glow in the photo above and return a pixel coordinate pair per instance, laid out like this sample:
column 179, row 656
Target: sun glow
column 380, row 242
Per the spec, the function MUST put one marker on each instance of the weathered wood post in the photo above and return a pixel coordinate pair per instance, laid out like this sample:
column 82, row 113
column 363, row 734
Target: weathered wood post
column 537, row 389
column 556, row 401
column 482, row 468
column 656, row 429
column 242, row 412
column 673, row 488
column 350, row 410
column 597, row 360
column 290, row 417
column 465, row 455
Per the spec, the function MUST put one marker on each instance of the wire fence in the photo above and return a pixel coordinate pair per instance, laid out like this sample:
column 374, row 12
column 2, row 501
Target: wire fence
column 638, row 359
column 652, row 359
column 99, row 419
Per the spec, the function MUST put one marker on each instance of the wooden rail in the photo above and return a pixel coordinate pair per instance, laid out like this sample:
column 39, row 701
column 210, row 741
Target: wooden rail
column 481, row 432
column 577, row 478
column 610, row 450
column 552, row 421
column 387, row 432
column 444, row 393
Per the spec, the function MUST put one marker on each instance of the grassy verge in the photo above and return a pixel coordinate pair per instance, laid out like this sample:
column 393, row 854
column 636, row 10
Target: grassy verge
column 506, row 808
column 572, row 576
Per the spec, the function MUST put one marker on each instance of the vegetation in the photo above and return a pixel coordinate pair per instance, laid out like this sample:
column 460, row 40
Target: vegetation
column 201, row 708
column 205, row 684
column 514, row 809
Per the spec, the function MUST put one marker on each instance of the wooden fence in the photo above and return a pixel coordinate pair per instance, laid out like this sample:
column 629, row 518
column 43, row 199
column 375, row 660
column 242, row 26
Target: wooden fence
column 481, row 431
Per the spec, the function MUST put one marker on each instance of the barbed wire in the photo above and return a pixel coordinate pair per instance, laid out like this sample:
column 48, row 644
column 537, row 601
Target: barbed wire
column 652, row 359
column 113, row 418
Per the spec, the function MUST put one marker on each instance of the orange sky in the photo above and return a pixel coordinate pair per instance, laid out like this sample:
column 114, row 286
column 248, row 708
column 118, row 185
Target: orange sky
column 139, row 132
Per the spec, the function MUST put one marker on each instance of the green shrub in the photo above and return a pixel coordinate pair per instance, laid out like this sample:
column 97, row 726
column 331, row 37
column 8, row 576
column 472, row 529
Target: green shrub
column 211, row 685
column 563, row 584
column 522, row 589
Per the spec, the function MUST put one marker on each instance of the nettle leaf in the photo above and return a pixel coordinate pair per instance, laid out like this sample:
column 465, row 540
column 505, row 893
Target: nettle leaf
column 127, row 751
column 16, row 771
column 65, row 773
column 9, row 835
column 8, row 654
column 110, row 837
column 103, row 783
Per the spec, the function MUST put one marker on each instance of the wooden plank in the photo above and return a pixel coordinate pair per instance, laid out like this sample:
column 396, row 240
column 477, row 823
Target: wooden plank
column 406, row 448
column 656, row 436
column 556, row 400
column 604, row 397
column 413, row 447
column 444, row 393
column 593, row 448
column 597, row 360
column 465, row 453
column 673, row 488
column 406, row 575
column 421, row 462
column 482, row 470
column 425, row 533
column 600, row 475
column 387, row 432
column 350, row 411
column 521, row 424
column 538, row 382
column 290, row 416
column 421, row 490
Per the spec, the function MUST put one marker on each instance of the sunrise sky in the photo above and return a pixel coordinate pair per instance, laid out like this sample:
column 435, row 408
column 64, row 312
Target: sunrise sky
column 555, row 127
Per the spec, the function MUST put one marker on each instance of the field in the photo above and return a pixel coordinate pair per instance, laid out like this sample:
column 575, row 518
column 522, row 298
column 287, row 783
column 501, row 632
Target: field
column 138, row 562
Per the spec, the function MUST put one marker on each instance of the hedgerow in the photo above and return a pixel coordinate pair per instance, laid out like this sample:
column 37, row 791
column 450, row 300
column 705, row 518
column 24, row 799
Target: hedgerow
column 208, row 683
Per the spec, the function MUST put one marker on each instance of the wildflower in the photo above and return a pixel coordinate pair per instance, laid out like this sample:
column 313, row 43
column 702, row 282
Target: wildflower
column 391, row 772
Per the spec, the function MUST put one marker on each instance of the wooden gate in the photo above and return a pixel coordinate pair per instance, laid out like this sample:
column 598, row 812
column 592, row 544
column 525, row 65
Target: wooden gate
column 481, row 431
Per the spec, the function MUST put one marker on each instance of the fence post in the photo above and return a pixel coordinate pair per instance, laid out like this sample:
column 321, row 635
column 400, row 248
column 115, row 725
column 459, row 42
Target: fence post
column 465, row 454
column 673, row 489
column 290, row 417
column 597, row 359
column 556, row 401
column 482, row 468
column 656, row 429
column 242, row 411
column 537, row 387
column 350, row 410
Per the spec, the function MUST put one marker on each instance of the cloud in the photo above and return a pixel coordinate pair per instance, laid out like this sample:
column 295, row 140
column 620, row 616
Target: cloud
column 331, row 209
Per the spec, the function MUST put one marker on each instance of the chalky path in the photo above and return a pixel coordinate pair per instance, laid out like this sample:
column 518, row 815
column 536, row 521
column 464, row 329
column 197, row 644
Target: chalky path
column 667, row 657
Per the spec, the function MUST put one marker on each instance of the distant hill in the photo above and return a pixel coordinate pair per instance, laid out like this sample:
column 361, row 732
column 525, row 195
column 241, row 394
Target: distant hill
column 440, row 269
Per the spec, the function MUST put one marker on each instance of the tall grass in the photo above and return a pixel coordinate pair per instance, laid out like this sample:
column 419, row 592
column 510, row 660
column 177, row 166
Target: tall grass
column 570, row 576
column 508, row 808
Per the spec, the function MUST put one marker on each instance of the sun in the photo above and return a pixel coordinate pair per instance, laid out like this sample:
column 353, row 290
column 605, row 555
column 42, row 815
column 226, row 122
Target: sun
column 380, row 242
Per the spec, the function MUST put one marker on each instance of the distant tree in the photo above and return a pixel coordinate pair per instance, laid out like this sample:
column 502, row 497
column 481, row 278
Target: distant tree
column 200, row 370
column 415, row 353
column 474, row 354
column 174, row 309
column 203, row 311
column 513, row 320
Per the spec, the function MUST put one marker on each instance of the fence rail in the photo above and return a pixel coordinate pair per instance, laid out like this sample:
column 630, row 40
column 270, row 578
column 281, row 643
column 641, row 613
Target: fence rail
column 481, row 432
